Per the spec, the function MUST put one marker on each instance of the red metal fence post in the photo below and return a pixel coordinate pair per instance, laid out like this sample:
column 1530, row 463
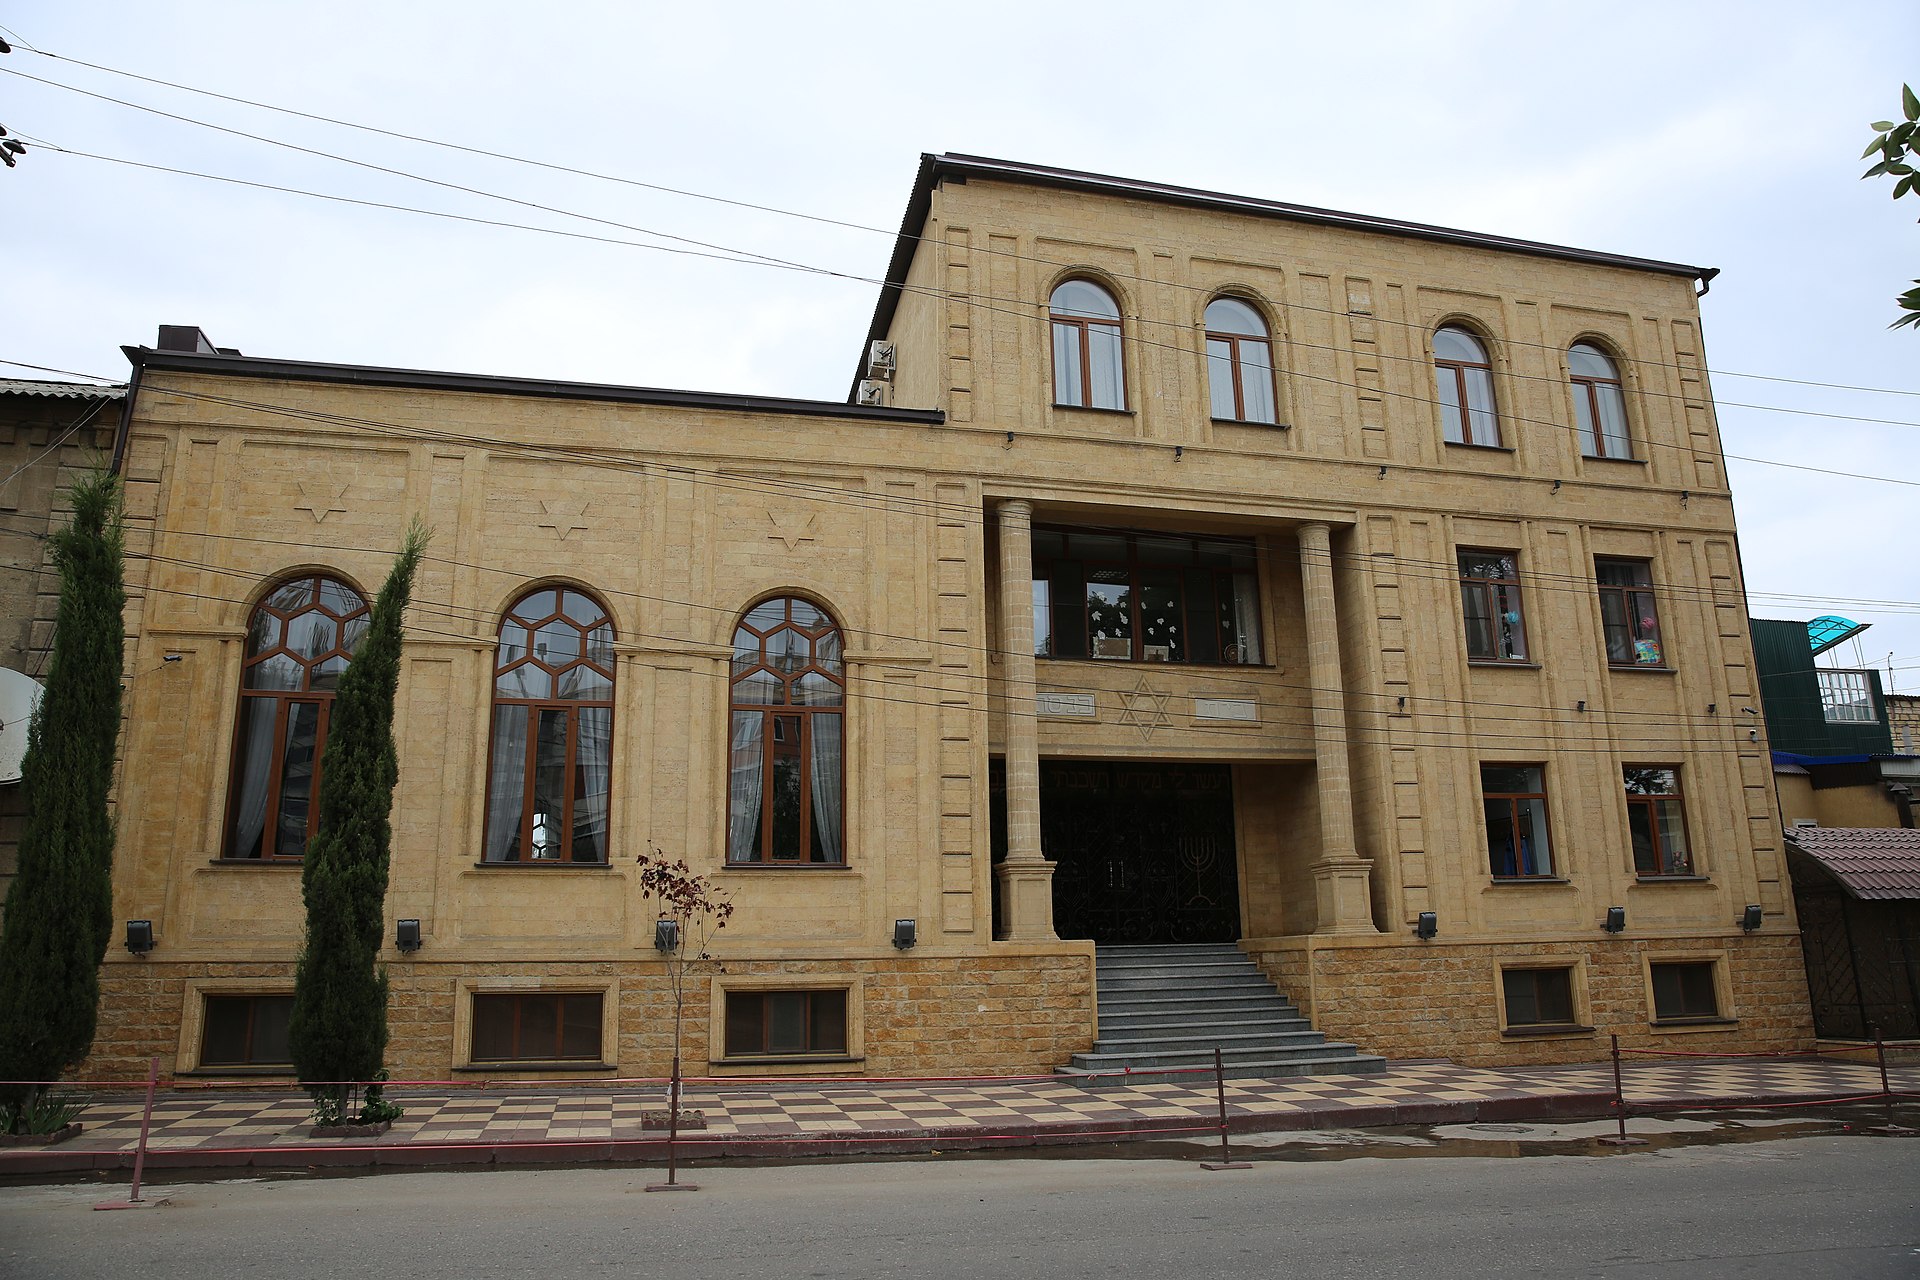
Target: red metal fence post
column 1620, row 1105
column 133, row 1200
column 1226, row 1160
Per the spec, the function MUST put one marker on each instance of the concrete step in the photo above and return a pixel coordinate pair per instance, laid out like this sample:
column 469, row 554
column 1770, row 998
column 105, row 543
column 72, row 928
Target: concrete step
column 1249, row 1001
column 1198, row 971
column 1252, row 979
column 1197, row 1057
column 1228, row 1042
column 1124, row 1027
column 1351, row 1064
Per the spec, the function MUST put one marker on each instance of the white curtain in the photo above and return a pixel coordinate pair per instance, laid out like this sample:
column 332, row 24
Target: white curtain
column 256, row 764
column 746, row 762
column 506, row 784
column 593, row 758
column 827, row 770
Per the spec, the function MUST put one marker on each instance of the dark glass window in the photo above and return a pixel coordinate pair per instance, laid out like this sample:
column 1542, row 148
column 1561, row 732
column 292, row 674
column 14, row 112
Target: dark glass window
column 1684, row 991
column 1538, row 997
column 1628, row 614
column 786, row 770
column 1657, row 821
column 299, row 641
column 1089, row 370
column 780, row 1022
column 537, row 1026
column 1144, row 597
column 1239, row 362
column 550, row 773
column 1463, row 379
column 1598, row 405
column 246, row 1031
column 1490, row 599
column 1515, row 799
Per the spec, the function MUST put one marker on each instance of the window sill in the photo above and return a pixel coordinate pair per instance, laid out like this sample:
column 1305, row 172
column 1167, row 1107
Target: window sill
column 1501, row 881
column 1673, row 879
column 785, row 1059
column 1142, row 662
column 1252, row 422
column 293, row 863
column 1090, row 408
column 1512, row 664
column 230, row 1073
column 544, row 865
column 810, row 868
column 1693, row 1024
column 1546, row 1031
column 1484, row 448
column 1648, row 668
column 495, row 1068
column 1599, row 457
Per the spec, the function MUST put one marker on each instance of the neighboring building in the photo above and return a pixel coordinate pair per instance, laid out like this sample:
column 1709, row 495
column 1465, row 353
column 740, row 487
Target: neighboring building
column 1846, row 789
column 1903, row 722
column 1184, row 567
column 48, row 432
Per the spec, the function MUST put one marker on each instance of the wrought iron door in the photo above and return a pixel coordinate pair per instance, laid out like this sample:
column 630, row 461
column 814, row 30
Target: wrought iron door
column 1142, row 852
column 1863, row 965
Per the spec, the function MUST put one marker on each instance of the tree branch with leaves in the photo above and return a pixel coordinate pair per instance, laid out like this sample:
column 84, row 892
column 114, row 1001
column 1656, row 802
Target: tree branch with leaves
column 689, row 911
column 1898, row 145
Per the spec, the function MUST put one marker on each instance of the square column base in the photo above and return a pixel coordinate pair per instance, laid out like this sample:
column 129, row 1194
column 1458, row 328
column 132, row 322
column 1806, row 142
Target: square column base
column 1342, row 896
column 1026, row 901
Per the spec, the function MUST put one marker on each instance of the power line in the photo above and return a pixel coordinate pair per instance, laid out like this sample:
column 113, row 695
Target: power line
column 495, row 154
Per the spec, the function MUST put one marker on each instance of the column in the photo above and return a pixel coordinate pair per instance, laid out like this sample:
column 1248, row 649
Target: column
column 1026, row 877
column 1341, row 876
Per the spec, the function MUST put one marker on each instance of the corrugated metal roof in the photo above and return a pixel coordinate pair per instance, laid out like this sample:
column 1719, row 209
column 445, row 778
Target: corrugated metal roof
column 1870, row 862
column 64, row 390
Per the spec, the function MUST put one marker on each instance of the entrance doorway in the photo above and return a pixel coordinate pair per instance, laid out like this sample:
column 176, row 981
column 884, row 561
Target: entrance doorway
column 1143, row 852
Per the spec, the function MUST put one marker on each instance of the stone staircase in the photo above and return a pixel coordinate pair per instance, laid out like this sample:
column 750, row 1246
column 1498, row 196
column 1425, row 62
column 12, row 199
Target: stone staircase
column 1165, row 1008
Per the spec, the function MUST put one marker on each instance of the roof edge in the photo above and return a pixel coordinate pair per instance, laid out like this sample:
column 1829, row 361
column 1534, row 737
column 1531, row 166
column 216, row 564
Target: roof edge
column 150, row 359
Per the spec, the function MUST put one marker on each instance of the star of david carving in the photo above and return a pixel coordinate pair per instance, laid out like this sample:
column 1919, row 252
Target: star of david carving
column 321, row 500
column 790, row 528
column 565, row 515
column 1145, row 708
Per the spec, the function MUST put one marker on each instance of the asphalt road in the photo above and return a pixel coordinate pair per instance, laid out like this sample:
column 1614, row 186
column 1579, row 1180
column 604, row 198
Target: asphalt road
column 1840, row 1206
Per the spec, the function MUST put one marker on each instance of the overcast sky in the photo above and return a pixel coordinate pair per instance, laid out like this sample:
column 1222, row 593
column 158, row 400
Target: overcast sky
column 1717, row 134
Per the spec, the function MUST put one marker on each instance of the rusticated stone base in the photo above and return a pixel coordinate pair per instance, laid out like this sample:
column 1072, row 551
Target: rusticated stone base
column 1016, row 1010
column 1441, row 1000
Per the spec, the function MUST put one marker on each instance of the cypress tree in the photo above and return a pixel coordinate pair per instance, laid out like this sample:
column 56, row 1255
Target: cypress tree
column 338, row 1031
column 59, row 914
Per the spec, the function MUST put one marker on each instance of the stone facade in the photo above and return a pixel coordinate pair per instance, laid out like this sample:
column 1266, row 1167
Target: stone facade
column 1355, row 742
column 49, row 432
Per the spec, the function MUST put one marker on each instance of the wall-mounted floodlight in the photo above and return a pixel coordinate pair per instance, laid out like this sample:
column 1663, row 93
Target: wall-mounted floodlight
column 407, row 935
column 1426, row 924
column 1750, row 918
column 904, row 934
column 666, row 935
column 1616, row 920
column 139, row 936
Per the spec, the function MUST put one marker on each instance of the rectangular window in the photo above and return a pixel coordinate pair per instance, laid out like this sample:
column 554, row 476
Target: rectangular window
column 1657, row 821
column 1490, row 599
column 246, row 1031
column 537, row 1026
column 1628, row 615
column 1683, row 991
column 1144, row 598
column 767, row 1023
column 1846, row 697
column 1538, row 997
column 1515, row 800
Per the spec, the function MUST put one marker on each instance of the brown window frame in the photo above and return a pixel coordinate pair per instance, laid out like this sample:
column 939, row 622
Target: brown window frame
column 809, row 997
column 1444, row 366
column 248, row 1058
column 1564, row 972
column 1082, row 343
column 1630, row 624
column 283, row 702
column 771, row 729
column 1687, row 1013
column 1238, row 365
column 522, row 848
column 1650, row 801
column 484, row 1001
column 1513, row 799
column 1585, row 393
column 1487, row 590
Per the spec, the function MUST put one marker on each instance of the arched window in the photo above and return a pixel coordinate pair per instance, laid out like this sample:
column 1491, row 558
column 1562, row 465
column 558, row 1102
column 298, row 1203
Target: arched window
column 547, row 779
column 786, row 758
column 1088, row 369
column 1239, row 362
column 299, row 641
column 1598, row 406
column 1464, row 377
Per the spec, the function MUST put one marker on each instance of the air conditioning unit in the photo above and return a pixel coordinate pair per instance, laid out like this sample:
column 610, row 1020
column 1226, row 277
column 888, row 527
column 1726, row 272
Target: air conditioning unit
column 873, row 392
column 880, row 361
column 1803, row 824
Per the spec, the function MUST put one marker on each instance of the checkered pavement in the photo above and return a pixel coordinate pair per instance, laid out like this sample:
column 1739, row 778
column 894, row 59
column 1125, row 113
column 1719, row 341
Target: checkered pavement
column 738, row 1114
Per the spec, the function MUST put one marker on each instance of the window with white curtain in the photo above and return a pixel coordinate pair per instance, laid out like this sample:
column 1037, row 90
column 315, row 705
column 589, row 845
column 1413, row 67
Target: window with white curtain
column 786, row 741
